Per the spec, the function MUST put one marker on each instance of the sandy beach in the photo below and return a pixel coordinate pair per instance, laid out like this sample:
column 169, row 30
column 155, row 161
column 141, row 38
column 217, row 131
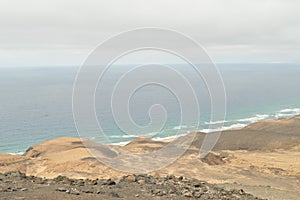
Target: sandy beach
column 263, row 159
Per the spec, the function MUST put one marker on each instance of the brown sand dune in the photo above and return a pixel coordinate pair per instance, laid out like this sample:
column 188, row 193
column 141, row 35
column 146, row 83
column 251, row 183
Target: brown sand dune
column 264, row 158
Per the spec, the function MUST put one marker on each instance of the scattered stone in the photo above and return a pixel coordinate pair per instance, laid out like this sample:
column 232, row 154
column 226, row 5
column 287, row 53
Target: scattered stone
column 169, row 177
column 241, row 192
column 156, row 191
column 186, row 193
column 62, row 189
column 75, row 192
column 171, row 191
column 141, row 182
column 94, row 182
column 81, row 183
column 197, row 194
column 169, row 187
column 100, row 192
column 15, row 174
column 11, row 189
column 87, row 191
column 131, row 178
column 110, row 182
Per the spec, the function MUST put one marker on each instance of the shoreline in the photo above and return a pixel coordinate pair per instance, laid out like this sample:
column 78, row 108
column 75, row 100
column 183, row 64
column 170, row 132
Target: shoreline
column 257, row 118
column 265, row 154
column 254, row 120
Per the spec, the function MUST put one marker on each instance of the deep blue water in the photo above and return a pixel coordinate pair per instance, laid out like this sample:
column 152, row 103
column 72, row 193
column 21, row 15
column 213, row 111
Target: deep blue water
column 36, row 102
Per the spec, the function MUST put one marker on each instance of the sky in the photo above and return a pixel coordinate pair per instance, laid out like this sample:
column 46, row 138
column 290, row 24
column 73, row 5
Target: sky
column 64, row 32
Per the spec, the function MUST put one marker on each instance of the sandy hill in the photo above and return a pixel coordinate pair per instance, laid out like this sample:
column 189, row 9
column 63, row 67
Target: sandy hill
column 264, row 156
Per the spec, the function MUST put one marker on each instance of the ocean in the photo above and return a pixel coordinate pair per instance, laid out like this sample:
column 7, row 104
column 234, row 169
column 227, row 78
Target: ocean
column 36, row 103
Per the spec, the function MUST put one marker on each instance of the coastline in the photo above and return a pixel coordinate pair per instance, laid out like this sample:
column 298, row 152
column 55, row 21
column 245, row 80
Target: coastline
column 235, row 124
column 280, row 115
column 265, row 154
column 229, row 124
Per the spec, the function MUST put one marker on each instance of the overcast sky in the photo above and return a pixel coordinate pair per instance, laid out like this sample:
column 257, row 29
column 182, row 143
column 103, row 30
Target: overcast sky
column 63, row 32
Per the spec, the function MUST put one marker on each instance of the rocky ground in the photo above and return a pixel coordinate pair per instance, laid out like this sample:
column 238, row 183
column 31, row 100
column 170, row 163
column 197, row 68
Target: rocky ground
column 16, row 185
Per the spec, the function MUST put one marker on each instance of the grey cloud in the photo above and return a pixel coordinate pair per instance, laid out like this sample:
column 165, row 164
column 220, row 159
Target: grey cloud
column 66, row 30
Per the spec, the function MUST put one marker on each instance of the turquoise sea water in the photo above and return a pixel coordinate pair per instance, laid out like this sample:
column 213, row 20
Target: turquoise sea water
column 36, row 102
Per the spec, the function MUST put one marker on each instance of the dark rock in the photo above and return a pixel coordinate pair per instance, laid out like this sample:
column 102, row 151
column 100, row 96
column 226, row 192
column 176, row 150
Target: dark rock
column 110, row 182
column 199, row 184
column 100, row 192
column 87, row 191
column 62, row 189
column 213, row 159
column 241, row 192
column 170, row 177
column 10, row 189
column 94, row 182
